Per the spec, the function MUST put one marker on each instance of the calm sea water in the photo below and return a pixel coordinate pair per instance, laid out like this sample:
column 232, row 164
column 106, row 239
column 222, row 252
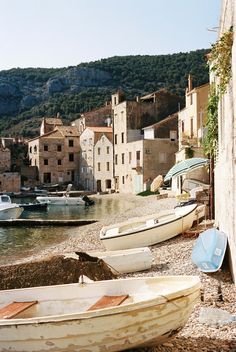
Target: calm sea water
column 17, row 242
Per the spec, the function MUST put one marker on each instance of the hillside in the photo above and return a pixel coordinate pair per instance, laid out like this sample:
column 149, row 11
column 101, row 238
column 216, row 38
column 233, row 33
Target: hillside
column 26, row 95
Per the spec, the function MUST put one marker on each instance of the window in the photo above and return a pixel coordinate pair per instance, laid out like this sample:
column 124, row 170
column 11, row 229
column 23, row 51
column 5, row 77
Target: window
column 35, row 149
column 122, row 158
column 191, row 128
column 108, row 150
column 147, row 151
column 108, row 166
column 182, row 125
column 130, row 157
column 59, row 162
column 123, row 180
column 71, row 157
column 45, row 161
column 191, row 99
column 115, row 138
column 138, row 155
column 71, row 143
column 45, row 147
column 59, row 148
column 99, row 151
column 173, row 135
column 99, row 166
column 30, row 149
column 162, row 157
column 116, row 159
column 122, row 137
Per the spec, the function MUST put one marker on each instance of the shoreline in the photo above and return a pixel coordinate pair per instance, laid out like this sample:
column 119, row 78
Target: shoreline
column 172, row 257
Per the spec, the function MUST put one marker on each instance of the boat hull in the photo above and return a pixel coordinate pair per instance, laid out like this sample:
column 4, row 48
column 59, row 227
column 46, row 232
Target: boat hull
column 209, row 250
column 145, row 236
column 9, row 213
column 61, row 200
column 140, row 323
column 124, row 261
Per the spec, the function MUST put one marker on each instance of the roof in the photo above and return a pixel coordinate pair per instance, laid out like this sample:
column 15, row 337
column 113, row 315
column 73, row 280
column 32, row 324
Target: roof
column 64, row 131
column 149, row 96
column 101, row 129
column 199, row 87
column 68, row 131
column 53, row 121
column 163, row 122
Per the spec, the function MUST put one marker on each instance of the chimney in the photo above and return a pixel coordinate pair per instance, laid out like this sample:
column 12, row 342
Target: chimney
column 190, row 83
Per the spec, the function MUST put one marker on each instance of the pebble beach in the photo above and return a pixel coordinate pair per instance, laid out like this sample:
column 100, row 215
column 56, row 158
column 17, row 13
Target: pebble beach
column 172, row 257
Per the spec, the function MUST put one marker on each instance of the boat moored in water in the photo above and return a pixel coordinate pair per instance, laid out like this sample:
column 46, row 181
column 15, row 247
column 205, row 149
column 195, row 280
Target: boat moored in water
column 9, row 210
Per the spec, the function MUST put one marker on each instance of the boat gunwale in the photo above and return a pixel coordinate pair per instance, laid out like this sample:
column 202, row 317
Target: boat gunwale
column 129, row 308
column 145, row 229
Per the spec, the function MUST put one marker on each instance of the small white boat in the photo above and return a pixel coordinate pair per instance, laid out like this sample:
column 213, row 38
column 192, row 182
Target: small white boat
column 111, row 315
column 123, row 261
column 148, row 230
column 57, row 200
column 9, row 210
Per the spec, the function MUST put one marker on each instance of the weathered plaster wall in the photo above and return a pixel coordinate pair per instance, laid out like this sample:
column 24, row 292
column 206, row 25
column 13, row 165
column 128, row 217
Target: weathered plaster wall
column 225, row 170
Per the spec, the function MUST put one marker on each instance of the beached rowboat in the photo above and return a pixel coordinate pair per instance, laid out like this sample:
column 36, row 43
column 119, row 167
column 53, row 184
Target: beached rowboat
column 148, row 230
column 110, row 315
column 123, row 261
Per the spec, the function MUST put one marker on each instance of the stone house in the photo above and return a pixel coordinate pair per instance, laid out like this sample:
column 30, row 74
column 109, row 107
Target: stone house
column 56, row 155
column 100, row 117
column 96, row 152
column 103, row 170
column 192, row 121
column 140, row 154
column 191, row 124
column 225, row 166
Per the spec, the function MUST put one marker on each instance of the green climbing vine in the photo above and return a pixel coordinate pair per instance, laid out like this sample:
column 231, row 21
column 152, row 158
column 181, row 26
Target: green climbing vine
column 210, row 142
column 220, row 60
column 220, row 63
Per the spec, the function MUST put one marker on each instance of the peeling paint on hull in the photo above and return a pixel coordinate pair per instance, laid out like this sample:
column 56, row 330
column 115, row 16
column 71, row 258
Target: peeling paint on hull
column 147, row 319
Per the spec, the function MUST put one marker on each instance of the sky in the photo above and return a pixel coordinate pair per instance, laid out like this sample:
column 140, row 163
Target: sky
column 62, row 33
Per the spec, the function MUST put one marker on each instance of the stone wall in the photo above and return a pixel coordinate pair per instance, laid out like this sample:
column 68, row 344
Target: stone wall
column 10, row 182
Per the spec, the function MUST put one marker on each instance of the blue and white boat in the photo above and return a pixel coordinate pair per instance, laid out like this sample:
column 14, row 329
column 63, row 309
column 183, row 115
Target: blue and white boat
column 209, row 250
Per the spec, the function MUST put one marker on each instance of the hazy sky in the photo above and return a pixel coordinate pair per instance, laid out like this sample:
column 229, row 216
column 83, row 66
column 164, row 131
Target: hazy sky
column 61, row 33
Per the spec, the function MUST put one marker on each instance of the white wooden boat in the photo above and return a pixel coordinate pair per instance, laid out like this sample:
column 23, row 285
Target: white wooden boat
column 109, row 316
column 148, row 230
column 123, row 261
column 9, row 210
column 63, row 200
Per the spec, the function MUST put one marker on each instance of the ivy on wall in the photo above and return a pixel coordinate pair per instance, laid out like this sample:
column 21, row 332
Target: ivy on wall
column 220, row 63
column 220, row 59
column 210, row 142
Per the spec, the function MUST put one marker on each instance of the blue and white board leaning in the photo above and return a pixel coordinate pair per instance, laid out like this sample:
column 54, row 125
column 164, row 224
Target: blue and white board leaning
column 209, row 250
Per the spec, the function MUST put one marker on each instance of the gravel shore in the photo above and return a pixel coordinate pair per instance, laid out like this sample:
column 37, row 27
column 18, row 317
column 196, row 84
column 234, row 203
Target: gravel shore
column 172, row 257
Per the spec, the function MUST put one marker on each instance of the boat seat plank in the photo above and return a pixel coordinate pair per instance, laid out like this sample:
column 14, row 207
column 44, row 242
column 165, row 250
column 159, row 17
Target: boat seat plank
column 14, row 308
column 108, row 301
